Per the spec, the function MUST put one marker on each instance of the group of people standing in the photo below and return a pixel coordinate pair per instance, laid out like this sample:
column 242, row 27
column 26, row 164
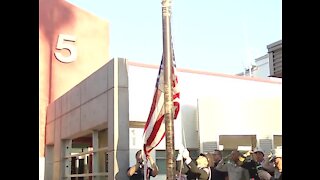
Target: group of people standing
column 253, row 165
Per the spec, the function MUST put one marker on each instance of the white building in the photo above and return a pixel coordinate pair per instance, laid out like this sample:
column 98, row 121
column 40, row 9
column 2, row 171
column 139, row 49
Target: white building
column 262, row 69
column 268, row 65
column 95, row 128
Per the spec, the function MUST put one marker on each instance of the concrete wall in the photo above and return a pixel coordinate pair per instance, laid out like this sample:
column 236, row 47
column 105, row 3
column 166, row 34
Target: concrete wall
column 91, row 43
column 226, row 97
column 275, row 58
column 98, row 102
column 252, row 109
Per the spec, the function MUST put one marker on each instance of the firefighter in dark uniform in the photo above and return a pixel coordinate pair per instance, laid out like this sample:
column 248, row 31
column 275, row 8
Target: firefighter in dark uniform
column 250, row 165
column 215, row 173
column 136, row 172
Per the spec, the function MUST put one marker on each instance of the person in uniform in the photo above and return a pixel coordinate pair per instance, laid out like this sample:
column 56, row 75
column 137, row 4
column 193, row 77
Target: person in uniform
column 215, row 173
column 198, row 170
column 233, row 167
column 136, row 172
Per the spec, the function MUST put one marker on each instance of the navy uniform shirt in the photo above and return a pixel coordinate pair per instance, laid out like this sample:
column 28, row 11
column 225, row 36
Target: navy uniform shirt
column 251, row 165
column 139, row 174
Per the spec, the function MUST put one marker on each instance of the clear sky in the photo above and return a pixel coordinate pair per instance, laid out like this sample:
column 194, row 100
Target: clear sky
column 211, row 35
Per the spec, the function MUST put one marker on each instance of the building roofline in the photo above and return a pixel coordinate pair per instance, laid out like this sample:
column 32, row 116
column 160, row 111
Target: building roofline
column 262, row 57
column 271, row 80
column 274, row 44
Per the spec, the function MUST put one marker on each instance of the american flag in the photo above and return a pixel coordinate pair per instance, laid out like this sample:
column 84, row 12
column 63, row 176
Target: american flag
column 154, row 129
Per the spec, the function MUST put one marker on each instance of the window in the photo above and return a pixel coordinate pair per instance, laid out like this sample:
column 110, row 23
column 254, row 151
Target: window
column 277, row 141
column 83, row 155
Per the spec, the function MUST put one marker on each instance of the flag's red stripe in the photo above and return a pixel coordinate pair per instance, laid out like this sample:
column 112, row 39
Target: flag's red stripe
column 153, row 106
column 158, row 142
column 155, row 130
column 176, row 111
column 177, row 95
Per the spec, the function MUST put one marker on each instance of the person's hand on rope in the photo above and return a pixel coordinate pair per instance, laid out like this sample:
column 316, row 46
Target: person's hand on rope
column 179, row 157
column 186, row 156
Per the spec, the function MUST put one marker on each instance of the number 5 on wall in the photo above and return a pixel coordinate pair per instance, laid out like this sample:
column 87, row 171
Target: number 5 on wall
column 61, row 44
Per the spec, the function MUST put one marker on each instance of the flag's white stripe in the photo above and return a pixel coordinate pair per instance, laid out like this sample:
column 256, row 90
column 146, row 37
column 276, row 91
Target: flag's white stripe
column 154, row 118
column 150, row 130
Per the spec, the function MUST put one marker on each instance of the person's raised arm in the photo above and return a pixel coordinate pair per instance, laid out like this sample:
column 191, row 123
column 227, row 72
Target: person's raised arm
column 133, row 169
column 155, row 169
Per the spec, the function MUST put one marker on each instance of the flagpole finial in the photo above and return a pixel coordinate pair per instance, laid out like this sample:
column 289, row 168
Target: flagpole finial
column 166, row 7
column 166, row 3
